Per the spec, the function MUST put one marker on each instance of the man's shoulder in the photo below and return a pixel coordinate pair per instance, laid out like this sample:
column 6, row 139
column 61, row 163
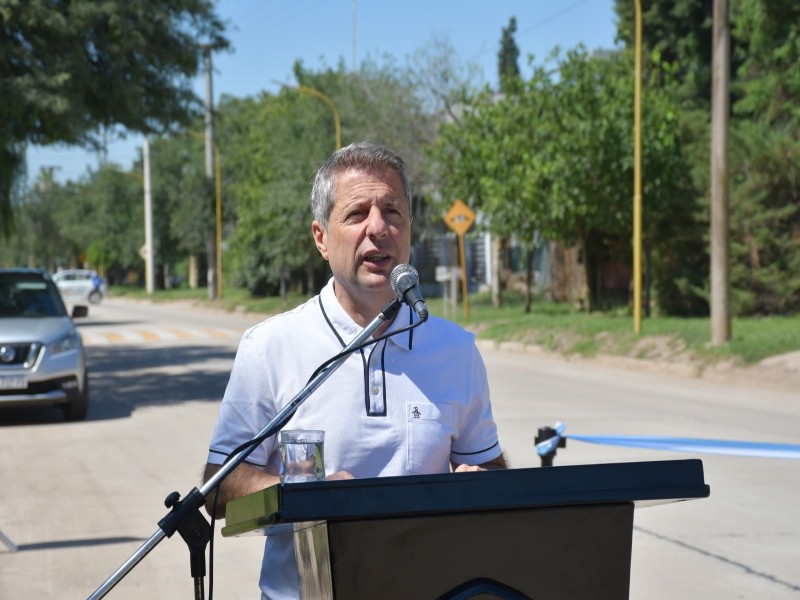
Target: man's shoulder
column 300, row 318
column 444, row 332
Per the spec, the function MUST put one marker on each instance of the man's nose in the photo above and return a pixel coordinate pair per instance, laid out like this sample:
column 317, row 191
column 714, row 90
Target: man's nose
column 377, row 225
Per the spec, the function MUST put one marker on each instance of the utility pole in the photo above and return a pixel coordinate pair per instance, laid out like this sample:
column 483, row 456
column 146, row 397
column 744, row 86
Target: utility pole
column 209, row 121
column 149, row 273
column 720, row 221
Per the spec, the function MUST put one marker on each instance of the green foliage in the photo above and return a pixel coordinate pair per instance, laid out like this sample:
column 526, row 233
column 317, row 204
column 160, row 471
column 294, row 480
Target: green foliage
column 98, row 220
column 72, row 69
column 273, row 144
column 765, row 207
column 675, row 33
column 183, row 196
column 768, row 84
column 553, row 156
column 765, row 127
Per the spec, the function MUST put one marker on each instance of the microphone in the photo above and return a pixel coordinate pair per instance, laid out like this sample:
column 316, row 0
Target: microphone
column 405, row 283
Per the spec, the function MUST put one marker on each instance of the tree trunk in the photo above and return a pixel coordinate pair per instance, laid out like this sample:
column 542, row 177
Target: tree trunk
column 193, row 272
column 498, row 244
column 584, row 289
column 529, row 277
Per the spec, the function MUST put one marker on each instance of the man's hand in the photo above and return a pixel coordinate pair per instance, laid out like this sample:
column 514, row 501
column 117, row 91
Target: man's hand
column 497, row 463
column 466, row 468
column 339, row 475
column 243, row 480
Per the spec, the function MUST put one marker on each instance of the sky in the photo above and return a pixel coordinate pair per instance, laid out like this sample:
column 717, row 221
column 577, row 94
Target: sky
column 267, row 36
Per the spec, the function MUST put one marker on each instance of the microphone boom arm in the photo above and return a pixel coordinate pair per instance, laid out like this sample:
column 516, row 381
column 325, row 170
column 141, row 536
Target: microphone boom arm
column 182, row 510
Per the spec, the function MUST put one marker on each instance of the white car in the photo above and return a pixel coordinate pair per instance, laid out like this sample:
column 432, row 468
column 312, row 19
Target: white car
column 79, row 286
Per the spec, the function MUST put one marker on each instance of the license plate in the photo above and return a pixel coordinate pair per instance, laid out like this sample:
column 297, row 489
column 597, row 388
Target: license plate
column 13, row 382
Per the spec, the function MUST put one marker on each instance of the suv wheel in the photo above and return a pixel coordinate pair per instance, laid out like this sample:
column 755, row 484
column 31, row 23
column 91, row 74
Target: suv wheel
column 78, row 406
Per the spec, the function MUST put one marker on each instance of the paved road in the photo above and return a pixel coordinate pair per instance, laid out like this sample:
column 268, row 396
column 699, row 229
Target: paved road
column 80, row 498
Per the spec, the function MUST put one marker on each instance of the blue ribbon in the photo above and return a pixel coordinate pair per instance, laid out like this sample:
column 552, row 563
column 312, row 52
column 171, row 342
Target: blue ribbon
column 677, row 444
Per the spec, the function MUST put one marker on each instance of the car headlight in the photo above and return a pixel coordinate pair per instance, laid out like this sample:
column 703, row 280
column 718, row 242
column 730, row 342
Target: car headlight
column 69, row 341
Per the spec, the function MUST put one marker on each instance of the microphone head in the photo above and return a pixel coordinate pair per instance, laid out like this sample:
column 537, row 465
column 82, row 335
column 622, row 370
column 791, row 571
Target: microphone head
column 403, row 277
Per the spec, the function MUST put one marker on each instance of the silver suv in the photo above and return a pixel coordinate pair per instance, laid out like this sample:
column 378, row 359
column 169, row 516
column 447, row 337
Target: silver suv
column 42, row 358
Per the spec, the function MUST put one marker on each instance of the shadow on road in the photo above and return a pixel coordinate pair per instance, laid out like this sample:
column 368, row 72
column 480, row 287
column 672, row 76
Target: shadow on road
column 67, row 544
column 115, row 392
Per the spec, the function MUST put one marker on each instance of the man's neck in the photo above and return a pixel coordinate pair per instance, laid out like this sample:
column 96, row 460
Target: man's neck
column 366, row 309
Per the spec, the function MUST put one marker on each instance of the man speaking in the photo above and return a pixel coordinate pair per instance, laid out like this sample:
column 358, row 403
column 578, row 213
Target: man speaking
column 415, row 403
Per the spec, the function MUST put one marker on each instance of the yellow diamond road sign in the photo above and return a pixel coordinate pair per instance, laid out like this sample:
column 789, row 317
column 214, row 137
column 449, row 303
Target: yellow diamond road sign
column 460, row 217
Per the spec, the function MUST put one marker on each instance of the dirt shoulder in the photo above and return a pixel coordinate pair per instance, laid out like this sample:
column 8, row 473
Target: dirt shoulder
column 779, row 372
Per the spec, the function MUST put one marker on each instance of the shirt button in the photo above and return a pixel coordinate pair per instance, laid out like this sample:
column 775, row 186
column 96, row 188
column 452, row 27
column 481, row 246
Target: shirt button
column 375, row 389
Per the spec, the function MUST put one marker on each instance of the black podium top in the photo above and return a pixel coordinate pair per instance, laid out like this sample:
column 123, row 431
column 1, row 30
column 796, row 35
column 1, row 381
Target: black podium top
column 643, row 483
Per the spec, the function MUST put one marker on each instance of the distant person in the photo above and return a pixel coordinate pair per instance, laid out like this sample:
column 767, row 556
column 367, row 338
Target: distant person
column 96, row 295
column 97, row 282
column 415, row 403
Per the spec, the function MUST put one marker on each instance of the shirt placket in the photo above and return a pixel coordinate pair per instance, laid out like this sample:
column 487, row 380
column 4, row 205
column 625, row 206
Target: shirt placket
column 376, row 395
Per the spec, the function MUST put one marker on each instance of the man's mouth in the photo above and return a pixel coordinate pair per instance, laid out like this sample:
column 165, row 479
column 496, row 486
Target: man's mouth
column 376, row 258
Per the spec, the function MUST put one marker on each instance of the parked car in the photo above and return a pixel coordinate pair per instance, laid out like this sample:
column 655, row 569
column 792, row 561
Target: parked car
column 42, row 358
column 78, row 286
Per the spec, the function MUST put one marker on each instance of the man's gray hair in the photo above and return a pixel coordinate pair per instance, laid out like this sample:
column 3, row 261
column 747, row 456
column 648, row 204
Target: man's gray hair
column 363, row 156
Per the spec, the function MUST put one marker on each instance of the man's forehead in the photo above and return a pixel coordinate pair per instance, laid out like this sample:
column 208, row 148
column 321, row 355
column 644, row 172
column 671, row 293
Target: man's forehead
column 365, row 181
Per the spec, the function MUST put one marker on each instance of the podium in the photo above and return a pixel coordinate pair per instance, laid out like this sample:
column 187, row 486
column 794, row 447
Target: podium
column 542, row 533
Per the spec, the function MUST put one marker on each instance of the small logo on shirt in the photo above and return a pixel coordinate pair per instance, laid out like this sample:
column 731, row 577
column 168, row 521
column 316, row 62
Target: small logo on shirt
column 415, row 413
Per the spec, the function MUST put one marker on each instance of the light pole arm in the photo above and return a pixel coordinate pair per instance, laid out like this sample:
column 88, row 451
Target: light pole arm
column 336, row 120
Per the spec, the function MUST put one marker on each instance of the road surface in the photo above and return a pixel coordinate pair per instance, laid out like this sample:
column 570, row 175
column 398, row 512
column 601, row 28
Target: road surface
column 78, row 499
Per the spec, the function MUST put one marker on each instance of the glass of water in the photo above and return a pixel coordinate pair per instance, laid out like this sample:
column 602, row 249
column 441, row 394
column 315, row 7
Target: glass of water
column 302, row 455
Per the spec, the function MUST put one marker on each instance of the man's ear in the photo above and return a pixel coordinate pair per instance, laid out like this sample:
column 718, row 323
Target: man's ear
column 320, row 238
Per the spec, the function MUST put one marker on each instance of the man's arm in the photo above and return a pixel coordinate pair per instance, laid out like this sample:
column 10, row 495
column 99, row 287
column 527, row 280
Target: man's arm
column 246, row 479
column 243, row 480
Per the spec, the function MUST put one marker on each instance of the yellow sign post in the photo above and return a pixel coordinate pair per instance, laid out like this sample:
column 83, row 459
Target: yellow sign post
column 460, row 218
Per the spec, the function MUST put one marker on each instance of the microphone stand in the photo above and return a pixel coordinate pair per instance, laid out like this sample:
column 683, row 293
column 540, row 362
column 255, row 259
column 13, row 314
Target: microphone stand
column 185, row 517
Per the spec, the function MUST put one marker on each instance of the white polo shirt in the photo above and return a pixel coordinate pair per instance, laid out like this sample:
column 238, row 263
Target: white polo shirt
column 406, row 405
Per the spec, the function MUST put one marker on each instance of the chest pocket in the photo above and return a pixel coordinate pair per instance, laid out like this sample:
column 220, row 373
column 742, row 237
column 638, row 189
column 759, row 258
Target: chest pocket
column 430, row 430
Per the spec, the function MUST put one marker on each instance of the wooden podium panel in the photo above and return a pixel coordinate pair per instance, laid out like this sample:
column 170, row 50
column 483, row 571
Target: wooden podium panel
column 555, row 532
column 546, row 553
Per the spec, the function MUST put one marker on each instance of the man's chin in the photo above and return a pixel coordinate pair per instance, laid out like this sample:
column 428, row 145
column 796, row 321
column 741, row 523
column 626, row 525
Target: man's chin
column 375, row 281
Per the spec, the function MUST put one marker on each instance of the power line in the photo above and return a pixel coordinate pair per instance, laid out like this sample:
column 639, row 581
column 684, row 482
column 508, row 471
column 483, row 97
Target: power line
column 553, row 17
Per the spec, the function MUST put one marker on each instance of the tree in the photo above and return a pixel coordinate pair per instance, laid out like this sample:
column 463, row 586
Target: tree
column 497, row 158
column 71, row 70
column 38, row 240
column 507, row 57
column 273, row 144
column 555, row 156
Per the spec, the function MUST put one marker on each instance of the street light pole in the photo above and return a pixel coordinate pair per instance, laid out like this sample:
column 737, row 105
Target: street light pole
column 337, row 122
column 637, row 174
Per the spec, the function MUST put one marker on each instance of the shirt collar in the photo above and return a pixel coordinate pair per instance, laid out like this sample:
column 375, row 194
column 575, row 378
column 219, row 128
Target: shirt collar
column 347, row 329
